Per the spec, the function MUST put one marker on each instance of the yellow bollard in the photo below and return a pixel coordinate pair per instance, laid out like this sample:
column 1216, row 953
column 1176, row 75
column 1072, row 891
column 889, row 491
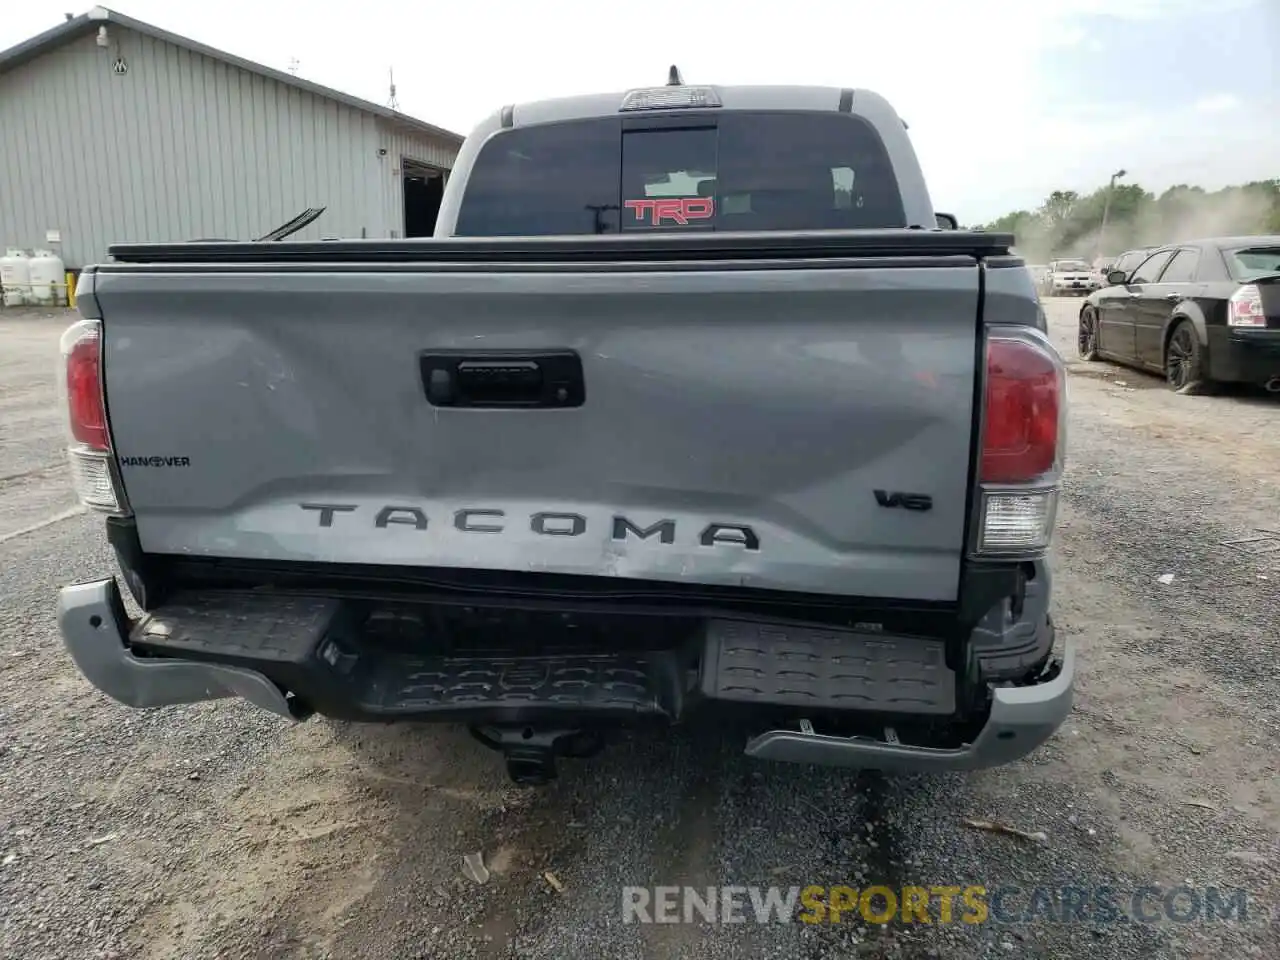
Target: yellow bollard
column 71, row 290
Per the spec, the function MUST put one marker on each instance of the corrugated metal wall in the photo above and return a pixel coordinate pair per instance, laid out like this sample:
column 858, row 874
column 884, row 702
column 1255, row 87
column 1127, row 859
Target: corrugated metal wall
column 182, row 146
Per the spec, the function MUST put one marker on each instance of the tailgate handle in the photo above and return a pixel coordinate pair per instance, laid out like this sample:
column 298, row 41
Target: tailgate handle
column 503, row 379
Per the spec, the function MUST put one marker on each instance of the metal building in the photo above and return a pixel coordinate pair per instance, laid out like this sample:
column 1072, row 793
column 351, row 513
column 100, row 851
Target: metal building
column 114, row 130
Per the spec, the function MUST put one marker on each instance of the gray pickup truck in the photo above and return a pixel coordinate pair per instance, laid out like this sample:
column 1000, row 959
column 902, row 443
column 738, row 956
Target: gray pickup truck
column 689, row 410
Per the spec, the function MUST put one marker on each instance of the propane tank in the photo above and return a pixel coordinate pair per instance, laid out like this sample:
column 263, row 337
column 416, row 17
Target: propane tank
column 48, row 275
column 15, row 277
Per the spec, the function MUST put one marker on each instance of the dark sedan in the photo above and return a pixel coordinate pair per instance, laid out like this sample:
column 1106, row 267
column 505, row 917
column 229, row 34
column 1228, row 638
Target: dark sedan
column 1199, row 312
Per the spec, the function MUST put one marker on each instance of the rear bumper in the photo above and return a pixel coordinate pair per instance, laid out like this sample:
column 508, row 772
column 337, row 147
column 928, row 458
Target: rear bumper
column 286, row 661
column 1244, row 356
column 1021, row 720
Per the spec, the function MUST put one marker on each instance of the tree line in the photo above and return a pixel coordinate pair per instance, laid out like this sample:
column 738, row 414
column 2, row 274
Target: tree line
column 1069, row 224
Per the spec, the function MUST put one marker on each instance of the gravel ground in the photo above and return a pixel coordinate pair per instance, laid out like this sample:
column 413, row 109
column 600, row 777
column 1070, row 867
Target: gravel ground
column 216, row 831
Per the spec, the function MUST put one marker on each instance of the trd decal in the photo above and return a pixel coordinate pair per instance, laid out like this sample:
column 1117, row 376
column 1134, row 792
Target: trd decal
column 154, row 461
column 678, row 210
column 487, row 520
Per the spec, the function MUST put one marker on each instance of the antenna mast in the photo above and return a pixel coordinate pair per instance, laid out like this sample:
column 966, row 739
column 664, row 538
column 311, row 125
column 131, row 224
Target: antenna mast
column 392, row 102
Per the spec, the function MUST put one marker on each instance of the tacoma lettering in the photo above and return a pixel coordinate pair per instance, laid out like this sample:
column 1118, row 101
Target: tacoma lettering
column 462, row 520
column 558, row 524
column 546, row 523
column 729, row 533
column 327, row 510
column 665, row 529
column 409, row 516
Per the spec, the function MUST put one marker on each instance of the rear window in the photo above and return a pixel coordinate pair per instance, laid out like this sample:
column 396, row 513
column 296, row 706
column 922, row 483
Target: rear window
column 736, row 171
column 1253, row 262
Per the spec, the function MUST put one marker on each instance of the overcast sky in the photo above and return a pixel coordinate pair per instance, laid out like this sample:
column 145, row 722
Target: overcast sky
column 1006, row 100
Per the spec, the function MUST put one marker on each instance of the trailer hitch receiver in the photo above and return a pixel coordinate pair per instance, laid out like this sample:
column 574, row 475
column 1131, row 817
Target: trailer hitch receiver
column 531, row 751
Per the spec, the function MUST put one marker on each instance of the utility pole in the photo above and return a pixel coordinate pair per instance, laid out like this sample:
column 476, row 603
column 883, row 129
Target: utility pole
column 1106, row 211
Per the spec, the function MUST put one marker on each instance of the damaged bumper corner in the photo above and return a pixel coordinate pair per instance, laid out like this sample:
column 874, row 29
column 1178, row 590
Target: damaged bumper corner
column 95, row 627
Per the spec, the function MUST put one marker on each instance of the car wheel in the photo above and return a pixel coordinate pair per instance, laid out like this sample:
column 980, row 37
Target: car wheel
column 1184, row 360
column 1087, row 341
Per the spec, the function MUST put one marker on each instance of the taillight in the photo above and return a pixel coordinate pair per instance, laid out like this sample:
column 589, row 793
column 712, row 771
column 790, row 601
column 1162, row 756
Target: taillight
column 89, row 450
column 1244, row 308
column 1023, row 435
column 85, row 407
column 1023, row 412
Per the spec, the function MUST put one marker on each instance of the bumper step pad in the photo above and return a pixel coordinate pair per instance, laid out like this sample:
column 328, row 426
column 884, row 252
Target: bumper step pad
column 827, row 669
column 611, row 683
column 312, row 647
column 243, row 626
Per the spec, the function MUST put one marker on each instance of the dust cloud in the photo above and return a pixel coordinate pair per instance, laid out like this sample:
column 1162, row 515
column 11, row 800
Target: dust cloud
column 1179, row 214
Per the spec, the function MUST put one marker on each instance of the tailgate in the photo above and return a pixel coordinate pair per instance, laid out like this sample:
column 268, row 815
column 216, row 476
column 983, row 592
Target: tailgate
column 783, row 427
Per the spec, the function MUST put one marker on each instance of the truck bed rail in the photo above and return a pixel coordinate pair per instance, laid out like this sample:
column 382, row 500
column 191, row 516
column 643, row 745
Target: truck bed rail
column 825, row 244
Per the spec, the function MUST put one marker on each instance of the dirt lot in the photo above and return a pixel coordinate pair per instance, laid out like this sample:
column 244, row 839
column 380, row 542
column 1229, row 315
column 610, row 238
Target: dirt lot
column 215, row 831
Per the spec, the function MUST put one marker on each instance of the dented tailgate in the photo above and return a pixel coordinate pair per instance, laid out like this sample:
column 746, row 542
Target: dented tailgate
column 791, row 426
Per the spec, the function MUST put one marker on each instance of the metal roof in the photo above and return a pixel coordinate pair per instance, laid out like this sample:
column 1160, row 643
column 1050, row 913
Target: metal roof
column 88, row 23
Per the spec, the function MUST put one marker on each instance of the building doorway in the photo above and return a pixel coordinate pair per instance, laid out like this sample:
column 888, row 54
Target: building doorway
column 423, row 190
